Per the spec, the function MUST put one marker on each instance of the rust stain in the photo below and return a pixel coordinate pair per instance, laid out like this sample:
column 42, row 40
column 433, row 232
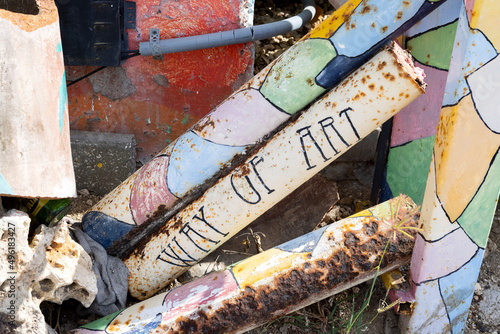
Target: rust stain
column 47, row 15
column 384, row 29
column 177, row 223
column 381, row 65
column 389, row 76
column 399, row 16
column 115, row 325
column 204, row 123
column 242, row 171
column 365, row 10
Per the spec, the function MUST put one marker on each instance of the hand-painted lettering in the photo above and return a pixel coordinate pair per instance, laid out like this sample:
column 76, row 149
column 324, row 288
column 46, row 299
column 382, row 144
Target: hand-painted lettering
column 349, row 120
column 326, row 123
column 249, row 201
column 305, row 132
column 202, row 211
column 187, row 229
column 254, row 164
column 171, row 255
column 256, row 195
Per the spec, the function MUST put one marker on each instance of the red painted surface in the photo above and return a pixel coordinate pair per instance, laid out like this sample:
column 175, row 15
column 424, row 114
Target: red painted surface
column 161, row 99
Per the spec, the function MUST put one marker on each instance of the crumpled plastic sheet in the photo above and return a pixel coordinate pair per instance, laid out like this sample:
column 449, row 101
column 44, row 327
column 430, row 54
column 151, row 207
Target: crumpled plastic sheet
column 112, row 276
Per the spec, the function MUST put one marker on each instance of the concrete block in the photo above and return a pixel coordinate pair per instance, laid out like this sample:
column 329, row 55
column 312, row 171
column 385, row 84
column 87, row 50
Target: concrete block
column 35, row 155
column 102, row 160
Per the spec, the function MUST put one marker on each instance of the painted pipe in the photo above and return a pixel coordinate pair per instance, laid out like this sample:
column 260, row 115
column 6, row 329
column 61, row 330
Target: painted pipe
column 279, row 280
column 414, row 128
column 230, row 37
column 184, row 169
column 463, row 182
column 348, row 113
column 35, row 150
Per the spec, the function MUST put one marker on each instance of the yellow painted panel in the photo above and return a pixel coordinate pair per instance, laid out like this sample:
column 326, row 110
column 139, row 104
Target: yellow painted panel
column 457, row 181
column 485, row 18
column 364, row 213
column 334, row 21
column 264, row 265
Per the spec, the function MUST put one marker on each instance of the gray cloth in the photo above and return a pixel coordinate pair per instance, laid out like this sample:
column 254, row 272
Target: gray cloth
column 112, row 276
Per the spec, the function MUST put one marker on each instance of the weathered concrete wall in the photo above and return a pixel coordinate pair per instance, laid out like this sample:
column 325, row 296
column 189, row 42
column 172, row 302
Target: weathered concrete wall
column 102, row 160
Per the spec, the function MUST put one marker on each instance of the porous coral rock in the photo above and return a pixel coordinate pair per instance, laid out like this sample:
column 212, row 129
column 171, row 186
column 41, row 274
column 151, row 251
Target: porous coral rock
column 52, row 268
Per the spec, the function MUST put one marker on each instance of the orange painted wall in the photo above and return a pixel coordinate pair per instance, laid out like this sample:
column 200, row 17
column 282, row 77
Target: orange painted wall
column 158, row 100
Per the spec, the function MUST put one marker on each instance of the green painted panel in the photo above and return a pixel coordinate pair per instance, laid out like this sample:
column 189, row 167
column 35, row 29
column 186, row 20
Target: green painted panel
column 101, row 324
column 290, row 84
column 434, row 47
column 408, row 168
column 477, row 218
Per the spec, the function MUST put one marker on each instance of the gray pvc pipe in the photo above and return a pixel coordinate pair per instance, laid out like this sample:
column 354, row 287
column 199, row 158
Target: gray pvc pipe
column 230, row 37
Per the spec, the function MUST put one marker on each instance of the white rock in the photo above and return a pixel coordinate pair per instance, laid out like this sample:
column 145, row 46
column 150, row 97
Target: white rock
column 52, row 268
column 478, row 290
column 84, row 192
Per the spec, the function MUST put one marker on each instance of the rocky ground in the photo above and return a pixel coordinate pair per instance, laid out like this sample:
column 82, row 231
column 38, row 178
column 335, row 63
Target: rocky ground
column 333, row 314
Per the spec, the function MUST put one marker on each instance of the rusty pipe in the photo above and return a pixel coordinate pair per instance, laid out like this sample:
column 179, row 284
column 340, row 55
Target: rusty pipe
column 279, row 280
